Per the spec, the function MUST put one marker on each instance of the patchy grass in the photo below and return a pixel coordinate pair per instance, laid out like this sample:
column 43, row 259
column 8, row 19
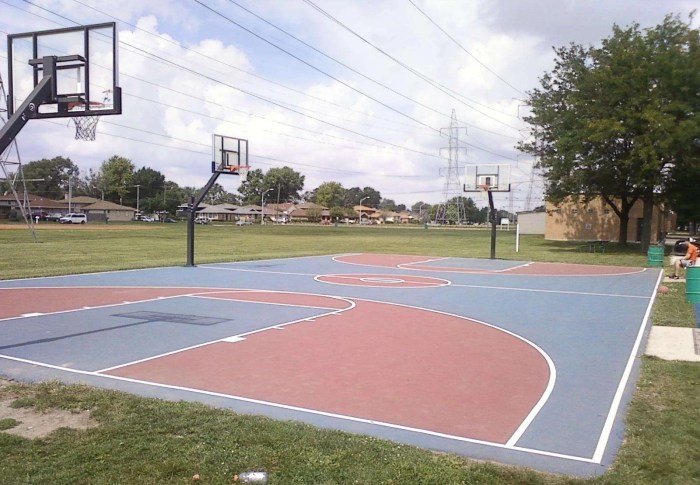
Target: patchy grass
column 673, row 309
column 8, row 423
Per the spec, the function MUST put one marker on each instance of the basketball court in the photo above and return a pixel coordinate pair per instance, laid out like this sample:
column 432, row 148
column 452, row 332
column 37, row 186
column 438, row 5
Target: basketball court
column 520, row 363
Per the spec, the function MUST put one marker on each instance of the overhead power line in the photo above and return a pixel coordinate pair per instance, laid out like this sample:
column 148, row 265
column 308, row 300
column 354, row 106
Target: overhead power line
column 216, row 12
column 378, row 83
column 413, row 71
column 464, row 49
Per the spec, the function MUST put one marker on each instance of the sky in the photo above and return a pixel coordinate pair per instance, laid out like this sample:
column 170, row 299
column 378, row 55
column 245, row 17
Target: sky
column 360, row 92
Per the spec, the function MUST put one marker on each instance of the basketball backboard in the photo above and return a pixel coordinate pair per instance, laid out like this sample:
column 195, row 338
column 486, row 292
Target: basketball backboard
column 229, row 155
column 496, row 177
column 83, row 61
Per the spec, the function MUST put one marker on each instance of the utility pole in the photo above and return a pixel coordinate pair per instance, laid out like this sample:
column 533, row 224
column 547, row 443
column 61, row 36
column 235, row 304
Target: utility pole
column 453, row 200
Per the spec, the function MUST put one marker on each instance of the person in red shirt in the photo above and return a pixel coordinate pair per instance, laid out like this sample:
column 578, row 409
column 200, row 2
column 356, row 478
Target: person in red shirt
column 690, row 258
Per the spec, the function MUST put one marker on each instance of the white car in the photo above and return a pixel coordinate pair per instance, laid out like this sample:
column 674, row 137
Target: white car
column 73, row 219
column 201, row 220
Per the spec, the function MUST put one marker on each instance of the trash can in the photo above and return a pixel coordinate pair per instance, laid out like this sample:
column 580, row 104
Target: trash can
column 655, row 257
column 692, row 284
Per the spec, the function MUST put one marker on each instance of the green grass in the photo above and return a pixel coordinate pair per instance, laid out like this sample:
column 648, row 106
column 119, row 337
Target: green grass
column 151, row 441
column 70, row 249
column 8, row 423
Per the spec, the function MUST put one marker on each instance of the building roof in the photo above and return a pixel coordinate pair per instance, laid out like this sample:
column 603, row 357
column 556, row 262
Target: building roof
column 107, row 205
column 83, row 199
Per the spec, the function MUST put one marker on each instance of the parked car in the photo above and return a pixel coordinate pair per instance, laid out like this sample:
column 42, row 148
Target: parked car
column 201, row 220
column 148, row 219
column 41, row 215
column 73, row 219
column 169, row 219
column 54, row 216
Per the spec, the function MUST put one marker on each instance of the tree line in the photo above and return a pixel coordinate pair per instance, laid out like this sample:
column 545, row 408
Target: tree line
column 119, row 181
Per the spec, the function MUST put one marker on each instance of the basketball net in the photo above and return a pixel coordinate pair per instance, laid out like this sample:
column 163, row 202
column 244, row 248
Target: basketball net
column 85, row 127
column 484, row 189
column 241, row 170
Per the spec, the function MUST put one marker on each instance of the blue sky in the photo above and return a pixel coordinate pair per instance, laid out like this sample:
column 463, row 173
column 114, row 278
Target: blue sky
column 343, row 128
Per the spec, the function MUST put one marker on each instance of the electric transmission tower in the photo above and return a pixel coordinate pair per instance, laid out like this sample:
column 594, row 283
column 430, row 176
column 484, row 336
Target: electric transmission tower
column 528, row 198
column 452, row 207
column 16, row 175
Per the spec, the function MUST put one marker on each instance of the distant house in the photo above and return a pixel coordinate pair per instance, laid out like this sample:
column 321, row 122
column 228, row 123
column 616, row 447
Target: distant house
column 103, row 211
column 280, row 212
column 248, row 213
column 596, row 221
column 76, row 204
column 310, row 212
column 219, row 212
column 8, row 204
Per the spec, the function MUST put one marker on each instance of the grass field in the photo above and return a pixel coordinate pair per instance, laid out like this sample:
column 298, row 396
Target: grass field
column 142, row 440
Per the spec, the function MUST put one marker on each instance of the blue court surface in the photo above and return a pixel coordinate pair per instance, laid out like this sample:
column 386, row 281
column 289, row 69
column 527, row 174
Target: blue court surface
column 581, row 327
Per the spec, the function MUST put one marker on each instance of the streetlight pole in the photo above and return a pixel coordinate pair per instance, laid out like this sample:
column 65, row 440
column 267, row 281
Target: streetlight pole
column 361, row 211
column 262, row 201
column 102, row 192
column 138, row 195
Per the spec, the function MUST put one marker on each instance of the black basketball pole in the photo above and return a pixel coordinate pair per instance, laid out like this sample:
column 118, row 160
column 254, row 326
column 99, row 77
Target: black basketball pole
column 494, row 216
column 194, row 203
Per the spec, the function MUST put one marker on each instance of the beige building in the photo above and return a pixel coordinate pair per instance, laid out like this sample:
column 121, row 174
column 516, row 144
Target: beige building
column 596, row 221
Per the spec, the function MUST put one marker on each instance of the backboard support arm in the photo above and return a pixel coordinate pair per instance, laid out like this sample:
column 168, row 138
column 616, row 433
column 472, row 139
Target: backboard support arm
column 44, row 91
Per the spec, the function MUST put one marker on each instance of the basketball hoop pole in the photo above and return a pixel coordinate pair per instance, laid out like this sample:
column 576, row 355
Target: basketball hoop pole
column 194, row 203
column 494, row 216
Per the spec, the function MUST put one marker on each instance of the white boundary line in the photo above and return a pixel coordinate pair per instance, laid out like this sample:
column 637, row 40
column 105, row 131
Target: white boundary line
column 537, row 290
column 306, row 410
column 409, row 284
column 615, row 405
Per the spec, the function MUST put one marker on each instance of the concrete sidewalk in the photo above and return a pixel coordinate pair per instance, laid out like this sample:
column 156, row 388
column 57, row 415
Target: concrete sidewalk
column 674, row 343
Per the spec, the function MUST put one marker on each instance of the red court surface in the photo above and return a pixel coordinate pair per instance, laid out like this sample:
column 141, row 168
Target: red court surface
column 374, row 361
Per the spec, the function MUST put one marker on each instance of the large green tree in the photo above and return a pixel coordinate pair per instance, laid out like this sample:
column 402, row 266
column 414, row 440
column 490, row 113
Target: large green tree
column 612, row 121
column 50, row 177
column 330, row 194
column 286, row 184
column 118, row 179
column 369, row 196
column 251, row 190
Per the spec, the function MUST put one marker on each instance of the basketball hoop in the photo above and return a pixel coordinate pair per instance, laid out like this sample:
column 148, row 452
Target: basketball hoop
column 85, row 126
column 240, row 170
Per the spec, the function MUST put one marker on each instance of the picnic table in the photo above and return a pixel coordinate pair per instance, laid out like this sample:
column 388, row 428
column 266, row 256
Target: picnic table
column 594, row 246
